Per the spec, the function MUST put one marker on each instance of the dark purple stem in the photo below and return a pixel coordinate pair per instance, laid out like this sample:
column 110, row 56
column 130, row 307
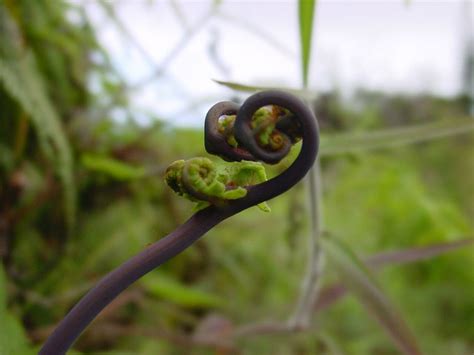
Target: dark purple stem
column 119, row 279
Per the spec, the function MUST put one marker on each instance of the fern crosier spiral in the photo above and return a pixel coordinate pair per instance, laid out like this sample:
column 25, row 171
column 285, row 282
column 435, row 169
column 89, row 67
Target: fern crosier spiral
column 205, row 182
column 244, row 179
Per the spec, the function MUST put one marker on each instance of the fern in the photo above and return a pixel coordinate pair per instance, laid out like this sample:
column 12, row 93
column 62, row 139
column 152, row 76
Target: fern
column 21, row 80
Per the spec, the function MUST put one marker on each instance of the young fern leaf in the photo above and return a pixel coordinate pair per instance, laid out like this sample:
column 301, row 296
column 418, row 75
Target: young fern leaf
column 202, row 181
column 263, row 124
column 205, row 182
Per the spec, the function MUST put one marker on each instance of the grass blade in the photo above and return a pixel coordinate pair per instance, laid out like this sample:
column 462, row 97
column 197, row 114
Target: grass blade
column 113, row 168
column 306, row 15
column 165, row 287
column 358, row 279
column 343, row 143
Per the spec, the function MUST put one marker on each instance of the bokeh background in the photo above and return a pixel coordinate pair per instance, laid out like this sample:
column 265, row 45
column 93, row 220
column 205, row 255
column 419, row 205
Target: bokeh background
column 97, row 98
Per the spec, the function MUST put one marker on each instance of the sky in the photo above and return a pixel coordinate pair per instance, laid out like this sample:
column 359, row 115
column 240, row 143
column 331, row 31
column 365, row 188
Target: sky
column 171, row 50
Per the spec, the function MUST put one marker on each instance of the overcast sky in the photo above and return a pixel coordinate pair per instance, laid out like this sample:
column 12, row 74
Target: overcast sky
column 392, row 46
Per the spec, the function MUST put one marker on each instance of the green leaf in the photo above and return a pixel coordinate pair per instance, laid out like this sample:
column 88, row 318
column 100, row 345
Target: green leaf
column 343, row 143
column 112, row 167
column 165, row 287
column 359, row 280
column 224, row 181
column 22, row 81
column 12, row 336
column 302, row 93
column 306, row 15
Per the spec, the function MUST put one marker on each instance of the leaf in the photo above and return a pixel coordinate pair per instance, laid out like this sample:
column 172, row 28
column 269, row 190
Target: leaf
column 302, row 93
column 112, row 167
column 358, row 279
column 331, row 294
column 12, row 336
column 344, row 143
column 21, row 80
column 306, row 15
column 220, row 182
column 165, row 287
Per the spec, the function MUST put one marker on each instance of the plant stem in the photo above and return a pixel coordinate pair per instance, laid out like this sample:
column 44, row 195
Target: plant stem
column 119, row 279
column 123, row 276
column 301, row 317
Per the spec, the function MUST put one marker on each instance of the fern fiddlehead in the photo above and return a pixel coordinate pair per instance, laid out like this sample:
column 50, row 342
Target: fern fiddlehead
column 203, row 181
column 259, row 136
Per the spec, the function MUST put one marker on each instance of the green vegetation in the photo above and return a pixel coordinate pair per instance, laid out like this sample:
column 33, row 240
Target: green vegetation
column 80, row 193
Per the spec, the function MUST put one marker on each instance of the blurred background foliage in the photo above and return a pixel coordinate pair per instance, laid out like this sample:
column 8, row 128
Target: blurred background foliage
column 81, row 192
